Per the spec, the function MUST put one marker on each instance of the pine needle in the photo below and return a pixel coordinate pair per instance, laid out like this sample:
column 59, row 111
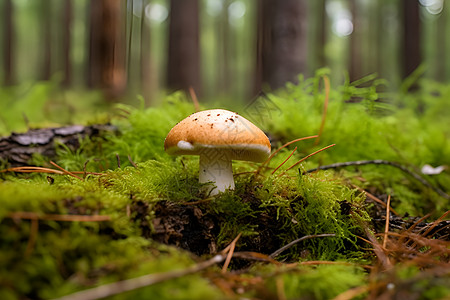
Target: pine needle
column 306, row 157
column 284, row 161
column 386, row 228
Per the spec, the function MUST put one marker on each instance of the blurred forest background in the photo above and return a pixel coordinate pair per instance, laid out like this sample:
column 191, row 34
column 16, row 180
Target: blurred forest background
column 222, row 49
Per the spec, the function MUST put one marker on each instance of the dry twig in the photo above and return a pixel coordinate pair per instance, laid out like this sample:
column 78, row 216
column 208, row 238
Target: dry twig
column 282, row 249
column 230, row 250
column 118, row 287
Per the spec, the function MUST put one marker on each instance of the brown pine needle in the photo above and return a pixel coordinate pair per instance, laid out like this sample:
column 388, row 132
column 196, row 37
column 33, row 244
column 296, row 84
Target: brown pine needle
column 31, row 169
column 379, row 251
column 287, row 144
column 386, row 227
column 194, row 99
column 132, row 162
column 279, row 282
column 410, row 229
column 369, row 195
column 230, row 249
column 326, row 81
column 279, row 149
column 256, row 256
column 34, row 229
column 295, row 149
column 65, row 171
column 352, row 293
column 306, row 157
column 285, row 247
column 436, row 223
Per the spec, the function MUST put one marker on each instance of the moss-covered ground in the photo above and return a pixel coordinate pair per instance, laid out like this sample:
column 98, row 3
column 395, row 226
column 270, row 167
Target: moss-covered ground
column 123, row 208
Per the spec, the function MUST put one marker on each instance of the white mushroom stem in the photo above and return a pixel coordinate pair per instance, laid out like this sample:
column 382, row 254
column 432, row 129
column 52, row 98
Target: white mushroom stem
column 217, row 170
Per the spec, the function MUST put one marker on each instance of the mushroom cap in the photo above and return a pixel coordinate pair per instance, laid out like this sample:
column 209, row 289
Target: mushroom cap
column 203, row 132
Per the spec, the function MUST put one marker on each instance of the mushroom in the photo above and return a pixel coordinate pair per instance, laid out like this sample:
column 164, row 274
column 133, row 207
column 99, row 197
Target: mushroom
column 218, row 136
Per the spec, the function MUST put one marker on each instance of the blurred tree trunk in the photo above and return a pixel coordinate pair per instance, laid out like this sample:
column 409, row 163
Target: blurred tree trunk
column 317, row 32
column 8, row 42
column 411, row 37
column 365, row 40
column 356, row 71
column 282, row 41
column 223, row 44
column 441, row 58
column 183, row 70
column 148, row 84
column 66, row 36
column 144, row 51
column 106, row 69
column 46, row 67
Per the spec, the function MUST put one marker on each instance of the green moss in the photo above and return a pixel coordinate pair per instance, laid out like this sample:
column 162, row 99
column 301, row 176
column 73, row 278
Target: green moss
column 268, row 210
column 322, row 282
column 365, row 125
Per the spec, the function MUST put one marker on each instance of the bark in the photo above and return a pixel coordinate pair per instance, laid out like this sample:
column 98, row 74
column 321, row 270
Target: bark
column 282, row 41
column 184, row 48
column 18, row 149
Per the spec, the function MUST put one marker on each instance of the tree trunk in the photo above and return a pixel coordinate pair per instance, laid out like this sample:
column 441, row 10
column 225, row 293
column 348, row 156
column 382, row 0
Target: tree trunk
column 148, row 82
column 317, row 31
column 66, row 42
column 8, row 42
column 411, row 37
column 223, row 43
column 356, row 71
column 440, row 60
column 183, row 70
column 282, row 41
column 106, row 69
column 46, row 67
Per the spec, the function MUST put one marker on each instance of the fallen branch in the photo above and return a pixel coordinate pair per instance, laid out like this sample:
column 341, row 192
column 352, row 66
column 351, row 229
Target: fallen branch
column 383, row 162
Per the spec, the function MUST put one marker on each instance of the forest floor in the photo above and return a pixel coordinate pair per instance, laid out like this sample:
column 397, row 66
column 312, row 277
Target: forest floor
column 352, row 204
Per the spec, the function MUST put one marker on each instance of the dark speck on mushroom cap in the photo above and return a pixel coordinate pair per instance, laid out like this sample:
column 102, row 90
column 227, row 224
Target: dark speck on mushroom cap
column 211, row 129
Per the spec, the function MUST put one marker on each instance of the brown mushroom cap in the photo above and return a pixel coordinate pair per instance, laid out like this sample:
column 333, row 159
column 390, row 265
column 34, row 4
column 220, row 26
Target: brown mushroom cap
column 204, row 131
